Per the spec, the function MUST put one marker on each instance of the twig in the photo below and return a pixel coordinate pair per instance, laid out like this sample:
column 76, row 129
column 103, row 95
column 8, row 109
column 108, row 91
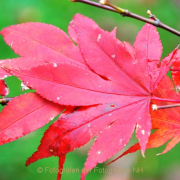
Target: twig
column 5, row 100
column 125, row 13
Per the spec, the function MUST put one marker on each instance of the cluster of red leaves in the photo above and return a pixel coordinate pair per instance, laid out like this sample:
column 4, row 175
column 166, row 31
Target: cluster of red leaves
column 107, row 88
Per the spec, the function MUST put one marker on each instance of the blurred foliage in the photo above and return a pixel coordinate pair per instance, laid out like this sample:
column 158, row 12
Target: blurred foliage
column 59, row 13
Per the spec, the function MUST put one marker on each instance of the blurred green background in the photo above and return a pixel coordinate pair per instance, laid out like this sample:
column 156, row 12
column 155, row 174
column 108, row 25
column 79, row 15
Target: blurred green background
column 59, row 13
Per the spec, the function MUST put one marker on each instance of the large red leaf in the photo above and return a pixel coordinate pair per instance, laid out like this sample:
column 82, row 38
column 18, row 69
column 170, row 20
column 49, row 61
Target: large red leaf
column 100, row 50
column 4, row 90
column 25, row 114
column 166, row 121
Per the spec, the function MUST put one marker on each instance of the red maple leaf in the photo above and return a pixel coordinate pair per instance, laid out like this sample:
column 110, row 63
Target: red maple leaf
column 24, row 114
column 165, row 121
column 4, row 90
column 176, row 72
column 112, row 81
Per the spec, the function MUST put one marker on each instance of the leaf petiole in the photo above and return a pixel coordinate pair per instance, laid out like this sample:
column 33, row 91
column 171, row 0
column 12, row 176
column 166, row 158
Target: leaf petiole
column 156, row 107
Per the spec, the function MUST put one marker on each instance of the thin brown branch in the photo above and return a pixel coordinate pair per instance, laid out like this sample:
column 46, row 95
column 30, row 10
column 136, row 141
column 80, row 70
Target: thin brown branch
column 5, row 100
column 126, row 13
column 155, row 107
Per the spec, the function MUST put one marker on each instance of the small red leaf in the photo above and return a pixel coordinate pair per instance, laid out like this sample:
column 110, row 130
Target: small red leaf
column 25, row 114
column 4, row 90
column 176, row 71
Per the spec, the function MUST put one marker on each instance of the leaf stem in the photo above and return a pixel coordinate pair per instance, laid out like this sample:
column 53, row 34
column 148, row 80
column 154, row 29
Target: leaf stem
column 125, row 13
column 156, row 107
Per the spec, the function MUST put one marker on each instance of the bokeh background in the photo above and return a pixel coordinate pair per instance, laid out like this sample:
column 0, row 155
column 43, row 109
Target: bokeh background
column 59, row 13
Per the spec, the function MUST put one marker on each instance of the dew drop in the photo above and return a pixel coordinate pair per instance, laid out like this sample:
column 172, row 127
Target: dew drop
column 99, row 152
column 99, row 37
column 55, row 65
column 177, row 89
column 113, row 56
column 51, row 118
column 11, row 44
column 143, row 132
column 109, row 114
column 58, row 98
column 23, row 86
column 89, row 125
column 51, row 150
column 138, row 126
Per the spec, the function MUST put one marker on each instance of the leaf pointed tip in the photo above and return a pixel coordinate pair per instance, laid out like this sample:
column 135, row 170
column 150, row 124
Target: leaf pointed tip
column 83, row 176
column 158, row 154
column 143, row 153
